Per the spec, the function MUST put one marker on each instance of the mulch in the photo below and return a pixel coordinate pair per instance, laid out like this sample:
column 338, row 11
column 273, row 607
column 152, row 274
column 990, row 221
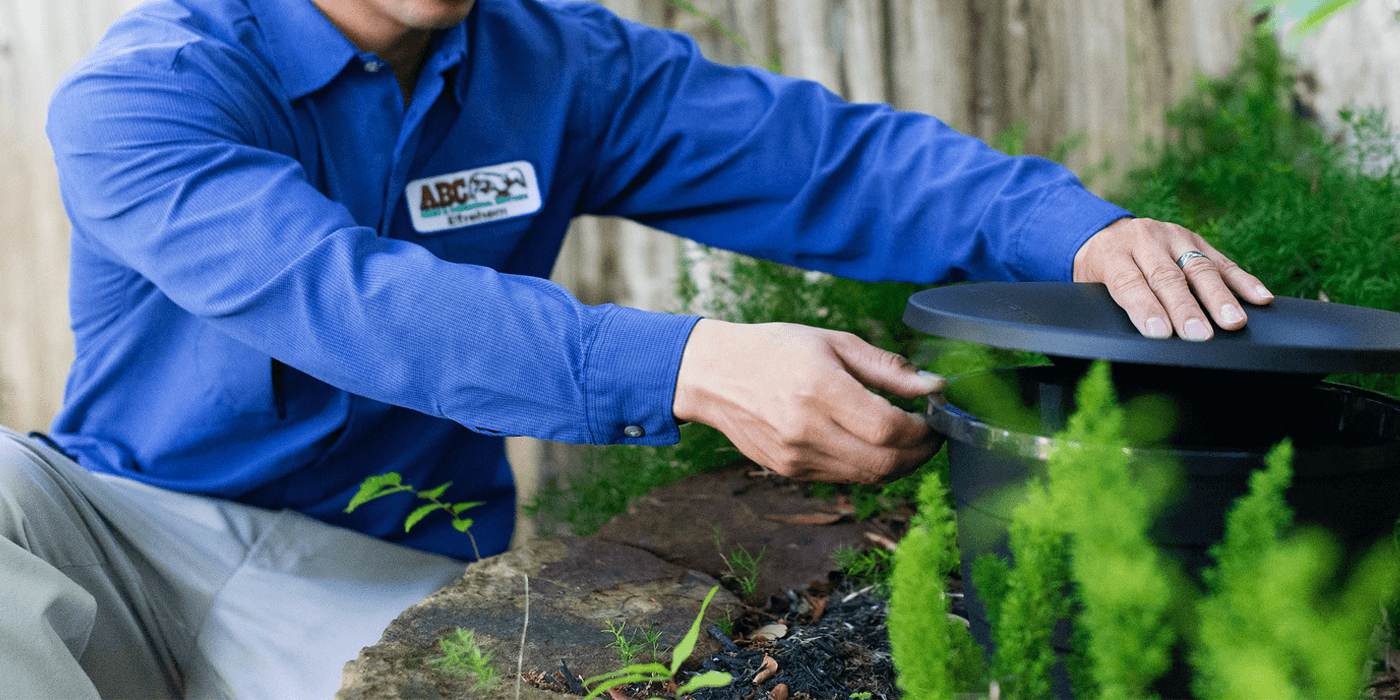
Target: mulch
column 835, row 644
column 846, row 651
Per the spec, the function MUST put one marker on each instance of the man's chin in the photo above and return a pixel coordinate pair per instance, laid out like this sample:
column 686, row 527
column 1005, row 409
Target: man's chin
column 434, row 14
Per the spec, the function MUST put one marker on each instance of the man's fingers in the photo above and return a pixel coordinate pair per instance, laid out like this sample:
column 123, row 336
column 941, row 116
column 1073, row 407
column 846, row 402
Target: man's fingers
column 1243, row 284
column 846, row 457
column 1204, row 274
column 868, row 416
column 1173, row 288
column 1216, row 281
column 886, row 371
column 1168, row 279
column 1132, row 292
column 875, row 421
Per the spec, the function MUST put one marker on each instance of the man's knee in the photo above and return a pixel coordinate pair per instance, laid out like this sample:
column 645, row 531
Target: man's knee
column 37, row 493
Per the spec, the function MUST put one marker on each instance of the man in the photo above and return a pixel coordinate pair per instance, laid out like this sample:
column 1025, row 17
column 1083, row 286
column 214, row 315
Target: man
column 310, row 243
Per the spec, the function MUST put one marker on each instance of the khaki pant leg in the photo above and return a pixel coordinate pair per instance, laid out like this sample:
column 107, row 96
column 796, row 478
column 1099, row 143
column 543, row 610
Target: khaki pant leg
column 152, row 593
column 76, row 619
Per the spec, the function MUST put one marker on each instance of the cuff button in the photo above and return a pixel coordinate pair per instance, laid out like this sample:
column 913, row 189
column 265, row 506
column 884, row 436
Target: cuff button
column 634, row 431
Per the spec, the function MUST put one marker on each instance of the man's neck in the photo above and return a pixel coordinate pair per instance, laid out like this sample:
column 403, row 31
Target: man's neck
column 403, row 48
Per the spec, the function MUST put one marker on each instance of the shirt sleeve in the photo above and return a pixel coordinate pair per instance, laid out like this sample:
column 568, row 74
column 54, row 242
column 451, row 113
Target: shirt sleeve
column 175, row 165
column 782, row 169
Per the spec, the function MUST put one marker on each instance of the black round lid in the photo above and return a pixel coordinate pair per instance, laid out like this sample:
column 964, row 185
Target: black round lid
column 1081, row 320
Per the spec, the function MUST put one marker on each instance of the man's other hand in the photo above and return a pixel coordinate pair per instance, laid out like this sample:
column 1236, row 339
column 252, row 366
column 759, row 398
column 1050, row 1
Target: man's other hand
column 795, row 399
column 1137, row 260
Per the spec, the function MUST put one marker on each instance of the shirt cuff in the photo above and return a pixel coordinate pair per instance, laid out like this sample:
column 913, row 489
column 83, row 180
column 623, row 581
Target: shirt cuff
column 629, row 381
column 1063, row 221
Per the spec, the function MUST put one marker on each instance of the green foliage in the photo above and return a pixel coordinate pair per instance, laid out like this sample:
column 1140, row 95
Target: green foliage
column 1311, row 216
column 382, row 485
column 1106, row 505
column 462, row 657
column 726, row 625
column 934, row 657
column 1321, row 14
column 656, row 673
column 1086, row 523
column 868, row 566
column 613, row 476
column 1277, row 622
column 375, row 487
column 1233, row 135
column 1032, row 600
column 630, row 646
column 1012, row 140
column 759, row 291
column 741, row 566
column 1317, row 12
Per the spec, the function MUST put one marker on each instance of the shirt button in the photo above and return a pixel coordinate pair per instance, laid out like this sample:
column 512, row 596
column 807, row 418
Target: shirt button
column 373, row 66
column 634, row 431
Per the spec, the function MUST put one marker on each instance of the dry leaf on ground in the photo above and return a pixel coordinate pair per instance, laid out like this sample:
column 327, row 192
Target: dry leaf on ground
column 770, row 632
column 881, row 540
column 770, row 668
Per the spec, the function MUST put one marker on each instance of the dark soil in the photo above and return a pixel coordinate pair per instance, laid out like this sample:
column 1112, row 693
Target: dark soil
column 836, row 642
column 846, row 651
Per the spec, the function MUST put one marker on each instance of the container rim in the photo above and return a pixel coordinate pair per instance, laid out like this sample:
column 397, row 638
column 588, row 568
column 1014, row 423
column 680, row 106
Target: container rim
column 957, row 424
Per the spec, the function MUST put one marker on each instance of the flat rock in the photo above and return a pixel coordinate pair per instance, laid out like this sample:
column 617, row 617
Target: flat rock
column 678, row 522
column 576, row 586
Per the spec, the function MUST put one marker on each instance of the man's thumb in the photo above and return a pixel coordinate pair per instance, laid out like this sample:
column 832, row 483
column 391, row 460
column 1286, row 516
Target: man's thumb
column 887, row 371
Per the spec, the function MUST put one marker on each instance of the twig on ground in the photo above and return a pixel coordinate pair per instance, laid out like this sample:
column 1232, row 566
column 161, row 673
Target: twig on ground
column 520, row 661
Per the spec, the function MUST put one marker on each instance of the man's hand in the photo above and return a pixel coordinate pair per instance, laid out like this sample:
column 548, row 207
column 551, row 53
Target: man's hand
column 794, row 399
column 1136, row 259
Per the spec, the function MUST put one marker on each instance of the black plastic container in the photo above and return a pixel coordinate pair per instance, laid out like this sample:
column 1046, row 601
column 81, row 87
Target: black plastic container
column 1233, row 398
column 1346, row 464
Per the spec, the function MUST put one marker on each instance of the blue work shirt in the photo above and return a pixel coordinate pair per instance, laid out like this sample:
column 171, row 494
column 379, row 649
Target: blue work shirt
column 285, row 279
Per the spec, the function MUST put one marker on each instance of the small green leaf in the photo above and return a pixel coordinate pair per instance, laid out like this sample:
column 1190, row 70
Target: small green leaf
column 462, row 524
column 651, row 669
column 623, row 680
column 708, row 679
column 417, row 515
column 687, row 645
column 457, row 508
column 1321, row 14
column 430, row 494
column 375, row 486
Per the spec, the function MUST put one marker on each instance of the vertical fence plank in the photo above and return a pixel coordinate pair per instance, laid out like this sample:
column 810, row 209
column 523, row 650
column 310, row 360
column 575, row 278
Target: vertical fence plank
column 38, row 42
column 930, row 49
column 1035, row 70
column 804, row 37
column 1368, row 32
column 862, row 39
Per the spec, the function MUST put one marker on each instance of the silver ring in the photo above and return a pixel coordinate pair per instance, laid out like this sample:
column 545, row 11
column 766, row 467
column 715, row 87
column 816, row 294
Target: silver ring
column 1188, row 256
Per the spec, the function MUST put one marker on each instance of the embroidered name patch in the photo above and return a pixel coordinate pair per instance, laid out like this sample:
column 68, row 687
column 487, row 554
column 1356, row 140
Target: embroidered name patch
column 471, row 197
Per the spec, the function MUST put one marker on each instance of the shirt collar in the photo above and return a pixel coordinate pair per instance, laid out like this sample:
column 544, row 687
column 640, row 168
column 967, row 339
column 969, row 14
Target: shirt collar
column 450, row 49
column 308, row 52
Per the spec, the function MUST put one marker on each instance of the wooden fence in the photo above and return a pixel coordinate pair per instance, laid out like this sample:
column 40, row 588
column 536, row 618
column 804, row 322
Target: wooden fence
column 1102, row 69
column 38, row 41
